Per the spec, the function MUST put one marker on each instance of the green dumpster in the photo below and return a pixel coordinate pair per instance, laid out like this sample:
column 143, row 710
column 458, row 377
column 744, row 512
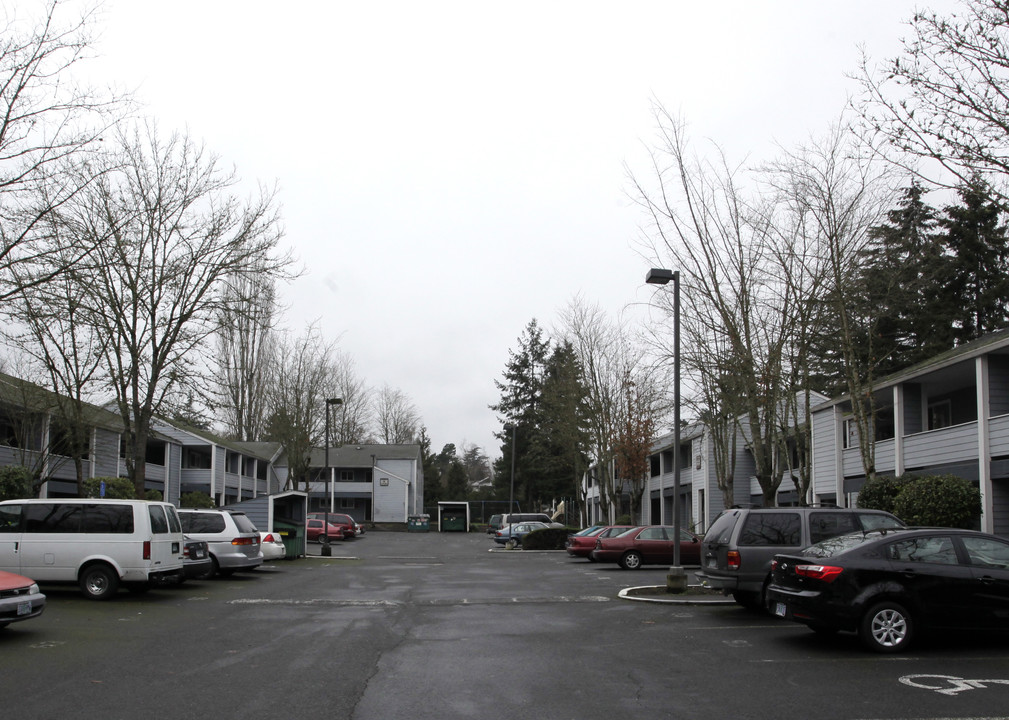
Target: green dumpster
column 418, row 523
column 453, row 523
column 293, row 533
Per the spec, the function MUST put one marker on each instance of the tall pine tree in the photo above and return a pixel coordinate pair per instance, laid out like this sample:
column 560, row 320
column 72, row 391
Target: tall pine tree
column 977, row 272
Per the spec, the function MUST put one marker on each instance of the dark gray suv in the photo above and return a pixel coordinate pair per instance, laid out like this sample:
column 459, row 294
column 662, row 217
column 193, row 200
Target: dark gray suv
column 737, row 550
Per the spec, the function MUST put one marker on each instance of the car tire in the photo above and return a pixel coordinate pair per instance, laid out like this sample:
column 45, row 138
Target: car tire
column 886, row 627
column 631, row 560
column 99, row 582
column 209, row 572
column 749, row 600
column 511, row 544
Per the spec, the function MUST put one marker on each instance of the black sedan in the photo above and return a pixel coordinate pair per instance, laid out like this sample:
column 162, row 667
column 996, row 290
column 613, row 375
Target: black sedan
column 889, row 585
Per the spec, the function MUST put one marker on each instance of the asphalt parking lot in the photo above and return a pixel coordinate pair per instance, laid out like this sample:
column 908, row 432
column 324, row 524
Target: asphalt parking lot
column 436, row 625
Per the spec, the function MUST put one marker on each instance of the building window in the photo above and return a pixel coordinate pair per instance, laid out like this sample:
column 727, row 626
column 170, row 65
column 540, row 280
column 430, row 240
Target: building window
column 346, row 476
column 940, row 415
column 850, row 438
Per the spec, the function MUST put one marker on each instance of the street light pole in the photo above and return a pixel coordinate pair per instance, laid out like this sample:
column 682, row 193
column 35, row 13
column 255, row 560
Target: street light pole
column 326, row 549
column 676, row 580
column 511, row 495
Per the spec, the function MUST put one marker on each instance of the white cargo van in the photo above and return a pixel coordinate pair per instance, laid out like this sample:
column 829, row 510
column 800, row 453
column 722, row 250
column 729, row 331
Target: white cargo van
column 97, row 544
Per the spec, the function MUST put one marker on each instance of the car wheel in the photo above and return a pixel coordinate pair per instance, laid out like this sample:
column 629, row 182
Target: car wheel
column 99, row 582
column 631, row 560
column 886, row 627
column 209, row 572
column 324, row 539
column 749, row 600
column 511, row 544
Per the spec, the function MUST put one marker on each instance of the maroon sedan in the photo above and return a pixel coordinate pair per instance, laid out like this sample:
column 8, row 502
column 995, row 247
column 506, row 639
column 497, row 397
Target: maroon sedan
column 579, row 545
column 650, row 545
column 315, row 533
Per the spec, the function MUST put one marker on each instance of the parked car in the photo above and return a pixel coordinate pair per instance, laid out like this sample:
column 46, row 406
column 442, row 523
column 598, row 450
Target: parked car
column 272, row 545
column 349, row 525
column 581, row 544
column 197, row 563
column 96, row 543
column 738, row 548
column 890, row 585
column 315, row 532
column 232, row 538
column 494, row 524
column 511, row 535
column 512, row 518
column 648, row 545
column 20, row 598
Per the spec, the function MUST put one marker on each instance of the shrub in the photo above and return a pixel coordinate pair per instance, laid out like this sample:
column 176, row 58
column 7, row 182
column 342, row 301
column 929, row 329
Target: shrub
column 154, row 495
column 196, row 500
column 16, row 482
column 624, row 520
column 880, row 492
column 117, row 488
column 940, row 501
column 546, row 539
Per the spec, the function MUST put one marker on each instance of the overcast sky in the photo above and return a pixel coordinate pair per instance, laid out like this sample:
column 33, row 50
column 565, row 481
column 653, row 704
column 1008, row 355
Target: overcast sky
column 449, row 171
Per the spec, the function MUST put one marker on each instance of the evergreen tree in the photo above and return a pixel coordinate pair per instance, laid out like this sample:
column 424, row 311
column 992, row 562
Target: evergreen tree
column 521, row 405
column 544, row 398
column 564, row 450
column 902, row 279
column 456, row 481
column 977, row 274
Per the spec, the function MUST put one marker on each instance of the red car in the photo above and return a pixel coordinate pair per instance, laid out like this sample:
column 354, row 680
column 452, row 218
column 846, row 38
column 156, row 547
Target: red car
column 650, row 545
column 582, row 544
column 346, row 522
column 315, row 533
column 20, row 598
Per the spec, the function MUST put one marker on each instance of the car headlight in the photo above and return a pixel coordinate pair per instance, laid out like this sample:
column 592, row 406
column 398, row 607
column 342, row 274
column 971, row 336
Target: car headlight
column 34, row 589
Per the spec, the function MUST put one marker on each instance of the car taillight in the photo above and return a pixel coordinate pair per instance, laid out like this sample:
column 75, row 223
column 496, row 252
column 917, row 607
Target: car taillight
column 269, row 538
column 826, row 573
column 147, row 549
column 245, row 541
column 732, row 558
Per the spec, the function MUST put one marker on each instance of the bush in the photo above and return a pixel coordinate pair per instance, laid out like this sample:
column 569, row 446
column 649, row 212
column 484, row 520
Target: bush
column 154, row 495
column 117, row 488
column 16, row 483
column 196, row 500
column 880, row 492
column 546, row 539
column 624, row 520
column 939, row 501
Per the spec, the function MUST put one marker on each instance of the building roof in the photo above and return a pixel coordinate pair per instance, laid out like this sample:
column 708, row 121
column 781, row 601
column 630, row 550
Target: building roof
column 996, row 342
column 359, row 456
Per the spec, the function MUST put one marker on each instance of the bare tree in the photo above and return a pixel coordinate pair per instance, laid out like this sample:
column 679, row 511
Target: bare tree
column 609, row 358
column 831, row 198
column 245, row 346
column 298, row 401
column 351, row 422
column 50, row 126
column 943, row 100
column 736, row 299
column 166, row 234
column 396, row 416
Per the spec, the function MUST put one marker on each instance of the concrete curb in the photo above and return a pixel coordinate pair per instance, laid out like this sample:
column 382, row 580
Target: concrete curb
column 626, row 594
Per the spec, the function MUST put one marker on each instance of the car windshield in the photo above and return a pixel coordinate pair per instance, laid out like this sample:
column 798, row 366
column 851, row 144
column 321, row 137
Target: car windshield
column 627, row 531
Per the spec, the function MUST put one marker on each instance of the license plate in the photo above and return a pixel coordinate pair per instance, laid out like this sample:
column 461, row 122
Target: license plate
column 780, row 610
column 24, row 608
column 712, row 562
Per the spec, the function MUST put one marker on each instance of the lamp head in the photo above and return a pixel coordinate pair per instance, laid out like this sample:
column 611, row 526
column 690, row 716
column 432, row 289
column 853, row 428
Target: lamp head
column 660, row 276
